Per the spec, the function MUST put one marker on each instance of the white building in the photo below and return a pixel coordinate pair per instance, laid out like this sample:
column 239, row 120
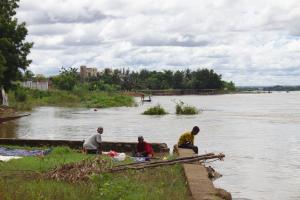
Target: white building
column 42, row 85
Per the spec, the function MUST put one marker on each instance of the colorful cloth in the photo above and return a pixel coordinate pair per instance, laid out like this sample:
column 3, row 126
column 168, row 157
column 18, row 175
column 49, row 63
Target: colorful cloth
column 5, row 151
column 185, row 138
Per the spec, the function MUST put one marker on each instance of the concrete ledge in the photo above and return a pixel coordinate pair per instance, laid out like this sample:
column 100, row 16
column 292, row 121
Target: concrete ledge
column 200, row 186
column 77, row 144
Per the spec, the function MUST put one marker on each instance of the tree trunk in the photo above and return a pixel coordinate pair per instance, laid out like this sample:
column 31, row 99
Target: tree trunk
column 4, row 97
column 1, row 98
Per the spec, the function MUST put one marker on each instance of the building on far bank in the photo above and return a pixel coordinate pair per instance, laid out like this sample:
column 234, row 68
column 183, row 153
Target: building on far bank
column 38, row 85
column 86, row 72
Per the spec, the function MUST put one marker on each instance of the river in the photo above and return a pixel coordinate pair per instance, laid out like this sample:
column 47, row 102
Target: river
column 258, row 133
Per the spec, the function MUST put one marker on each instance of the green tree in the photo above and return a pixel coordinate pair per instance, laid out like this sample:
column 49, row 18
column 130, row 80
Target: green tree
column 143, row 76
column 178, row 79
column 28, row 75
column 13, row 48
column 230, row 86
column 167, row 79
column 134, row 79
column 40, row 77
column 156, row 81
column 187, row 81
column 206, row 79
column 67, row 79
column 116, row 77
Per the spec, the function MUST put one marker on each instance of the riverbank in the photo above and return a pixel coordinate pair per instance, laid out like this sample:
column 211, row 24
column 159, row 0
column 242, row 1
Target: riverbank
column 182, row 92
column 4, row 110
column 173, row 92
column 25, row 179
column 26, row 99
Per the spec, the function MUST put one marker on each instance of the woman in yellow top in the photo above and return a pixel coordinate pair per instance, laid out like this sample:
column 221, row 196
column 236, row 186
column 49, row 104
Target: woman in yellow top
column 186, row 140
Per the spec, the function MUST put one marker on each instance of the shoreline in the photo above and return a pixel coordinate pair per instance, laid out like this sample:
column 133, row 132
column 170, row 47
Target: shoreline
column 60, row 98
column 194, row 92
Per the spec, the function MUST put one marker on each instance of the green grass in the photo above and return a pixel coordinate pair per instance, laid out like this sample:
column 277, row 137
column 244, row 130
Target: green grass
column 58, row 156
column 161, row 183
column 104, row 100
column 19, row 179
column 155, row 110
column 182, row 109
column 67, row 99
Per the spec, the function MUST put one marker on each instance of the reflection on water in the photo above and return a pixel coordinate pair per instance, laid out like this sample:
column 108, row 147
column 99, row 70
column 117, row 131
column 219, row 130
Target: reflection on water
column 259, row 134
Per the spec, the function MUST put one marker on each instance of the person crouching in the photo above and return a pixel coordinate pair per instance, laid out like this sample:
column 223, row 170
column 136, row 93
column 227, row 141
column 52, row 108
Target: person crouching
column 92, row 145
column 143, row 149
column 186, row 140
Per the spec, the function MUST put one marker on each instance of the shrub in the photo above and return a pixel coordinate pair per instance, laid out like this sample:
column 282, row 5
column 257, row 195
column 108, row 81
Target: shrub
column 38, row 94
column 25, row 99
column 20, row 95
column 105, row 100
column 61, row 98
column 182, row 109
column 156, row 110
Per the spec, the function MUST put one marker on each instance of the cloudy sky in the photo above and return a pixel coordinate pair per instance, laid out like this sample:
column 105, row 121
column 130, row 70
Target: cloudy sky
column 251, row 42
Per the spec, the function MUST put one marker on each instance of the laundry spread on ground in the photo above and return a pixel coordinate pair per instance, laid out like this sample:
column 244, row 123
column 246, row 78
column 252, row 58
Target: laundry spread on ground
column 8, row 158
column 140, row 159
column 6, row 151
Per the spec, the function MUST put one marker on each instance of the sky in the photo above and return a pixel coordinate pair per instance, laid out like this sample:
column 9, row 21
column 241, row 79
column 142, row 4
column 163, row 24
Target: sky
column 249, row 42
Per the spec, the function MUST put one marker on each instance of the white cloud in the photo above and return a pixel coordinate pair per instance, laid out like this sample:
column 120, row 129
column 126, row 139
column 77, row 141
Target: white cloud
column 250, row 42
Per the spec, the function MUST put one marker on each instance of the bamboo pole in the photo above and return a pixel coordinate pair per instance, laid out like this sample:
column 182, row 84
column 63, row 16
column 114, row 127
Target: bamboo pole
column 169, row 162
column 165, row 161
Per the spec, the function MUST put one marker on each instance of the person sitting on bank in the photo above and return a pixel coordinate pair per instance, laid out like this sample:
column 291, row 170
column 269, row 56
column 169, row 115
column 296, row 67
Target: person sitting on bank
column 92, row 145
column 186, row 140
column 143, row 149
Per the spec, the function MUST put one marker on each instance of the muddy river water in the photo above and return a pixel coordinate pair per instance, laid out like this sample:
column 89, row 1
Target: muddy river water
column 258, row 133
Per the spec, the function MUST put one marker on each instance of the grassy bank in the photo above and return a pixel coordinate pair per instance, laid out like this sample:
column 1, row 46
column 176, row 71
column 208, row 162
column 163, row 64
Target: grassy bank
column 25, row 99
column 20, row 179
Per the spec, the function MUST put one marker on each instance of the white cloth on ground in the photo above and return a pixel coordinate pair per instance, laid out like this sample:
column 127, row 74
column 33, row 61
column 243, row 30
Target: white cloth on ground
column 8, row 158
column 92, row 142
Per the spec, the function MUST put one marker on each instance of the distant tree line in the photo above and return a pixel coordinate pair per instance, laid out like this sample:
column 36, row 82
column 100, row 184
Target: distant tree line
column 282, row 88
column 121, row 79
column 269, row 88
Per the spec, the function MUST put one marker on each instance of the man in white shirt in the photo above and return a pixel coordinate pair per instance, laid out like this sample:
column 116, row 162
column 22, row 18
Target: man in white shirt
column 93, row 143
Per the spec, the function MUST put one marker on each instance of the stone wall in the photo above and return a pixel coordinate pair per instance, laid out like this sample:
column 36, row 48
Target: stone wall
column 200, row 186
column 77, row 144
